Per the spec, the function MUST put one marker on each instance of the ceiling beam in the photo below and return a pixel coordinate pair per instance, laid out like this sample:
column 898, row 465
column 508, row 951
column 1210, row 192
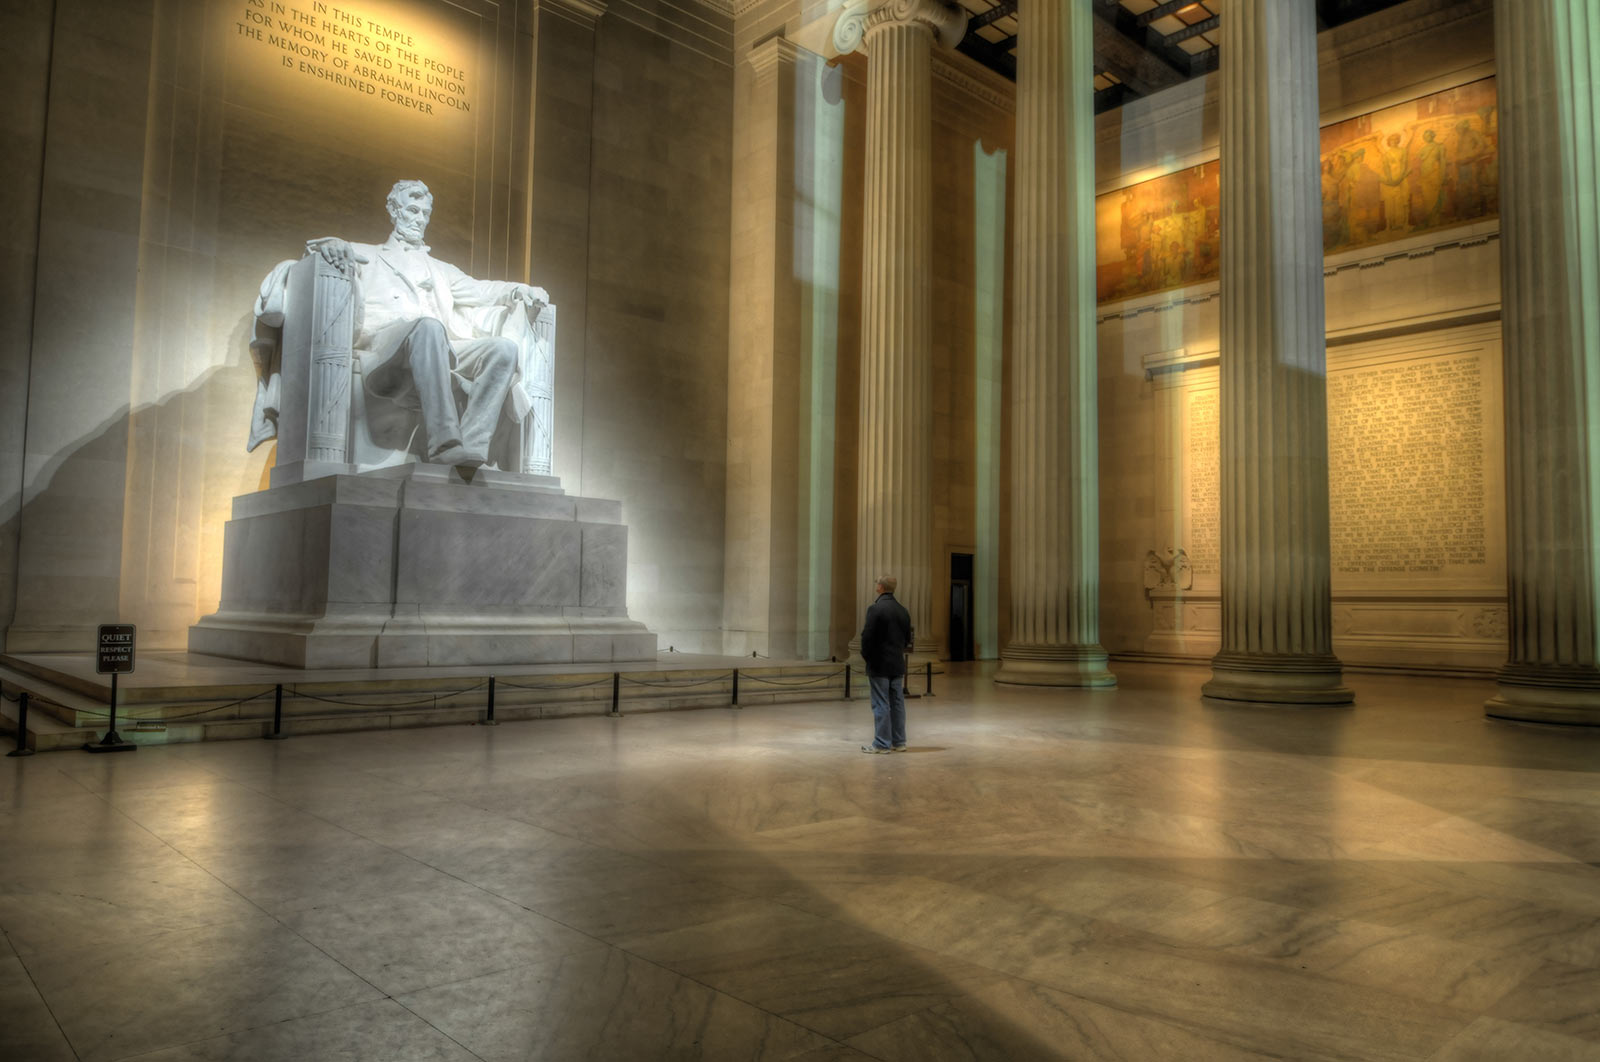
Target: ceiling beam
column 1172, row 7
column 990, row 55
column 1205, row 25
column 1136, row 66
column 994, row 14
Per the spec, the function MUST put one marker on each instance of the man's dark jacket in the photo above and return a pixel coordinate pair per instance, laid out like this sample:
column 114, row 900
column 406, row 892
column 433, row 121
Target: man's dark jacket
column 885, row 637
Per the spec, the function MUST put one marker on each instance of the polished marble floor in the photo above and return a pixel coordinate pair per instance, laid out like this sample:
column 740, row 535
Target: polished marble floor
column 1109, row 875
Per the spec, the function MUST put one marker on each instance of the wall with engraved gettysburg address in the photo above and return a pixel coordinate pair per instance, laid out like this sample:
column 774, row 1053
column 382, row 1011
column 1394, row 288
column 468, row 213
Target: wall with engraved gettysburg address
column 180, row 148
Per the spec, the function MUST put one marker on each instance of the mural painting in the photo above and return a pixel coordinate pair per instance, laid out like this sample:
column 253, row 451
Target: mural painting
column 1429, row 163
column 1164, row 233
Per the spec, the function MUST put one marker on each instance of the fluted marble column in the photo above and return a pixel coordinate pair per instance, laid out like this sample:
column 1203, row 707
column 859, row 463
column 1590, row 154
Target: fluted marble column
column 894, row 512
column 1277, row 642
column 1546, row 53
column 1055, row 518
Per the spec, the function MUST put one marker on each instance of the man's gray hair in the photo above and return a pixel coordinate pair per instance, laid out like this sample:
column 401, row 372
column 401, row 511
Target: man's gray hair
column 404, row 190
column 888, row 582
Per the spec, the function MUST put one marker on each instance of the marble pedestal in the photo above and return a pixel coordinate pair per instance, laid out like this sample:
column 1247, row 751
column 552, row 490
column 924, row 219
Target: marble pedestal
column 420, row 566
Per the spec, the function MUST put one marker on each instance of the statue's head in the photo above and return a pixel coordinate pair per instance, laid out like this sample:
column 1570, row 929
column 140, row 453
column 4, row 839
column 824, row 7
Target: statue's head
column 410, row 207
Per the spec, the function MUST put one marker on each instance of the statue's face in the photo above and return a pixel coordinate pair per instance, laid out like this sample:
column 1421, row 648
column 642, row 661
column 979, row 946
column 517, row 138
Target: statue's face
column 411, row 218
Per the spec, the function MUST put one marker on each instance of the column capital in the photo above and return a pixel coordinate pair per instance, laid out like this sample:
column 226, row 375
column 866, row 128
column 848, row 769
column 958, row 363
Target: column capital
column 765, row 58
column 946, row 22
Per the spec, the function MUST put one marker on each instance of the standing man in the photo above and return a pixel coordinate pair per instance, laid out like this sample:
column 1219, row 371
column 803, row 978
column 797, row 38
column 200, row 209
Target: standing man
column 885, row 640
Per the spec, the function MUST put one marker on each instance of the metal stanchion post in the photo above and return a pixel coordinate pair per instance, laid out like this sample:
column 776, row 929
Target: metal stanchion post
column 736, row 687
column 22, row 748
column 277, row 714
column 616, row 693
column 930, row 678
column 847, row 682
column 488, row 720
column 112, row 742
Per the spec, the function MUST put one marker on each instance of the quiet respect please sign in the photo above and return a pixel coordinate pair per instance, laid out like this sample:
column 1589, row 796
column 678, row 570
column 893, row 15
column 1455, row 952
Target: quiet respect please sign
column 114, row 649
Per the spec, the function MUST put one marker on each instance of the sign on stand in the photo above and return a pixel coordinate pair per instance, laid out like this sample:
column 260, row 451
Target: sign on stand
column 113, row 656
column 114, row 649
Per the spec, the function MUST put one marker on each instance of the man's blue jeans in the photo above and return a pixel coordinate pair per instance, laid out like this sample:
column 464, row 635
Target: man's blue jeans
column 888, row 710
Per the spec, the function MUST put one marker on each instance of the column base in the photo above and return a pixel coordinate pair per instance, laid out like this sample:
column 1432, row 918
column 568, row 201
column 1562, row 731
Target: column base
column 923, row 653
column 1289, row 679
column 1532, row 694
column 1068, row 666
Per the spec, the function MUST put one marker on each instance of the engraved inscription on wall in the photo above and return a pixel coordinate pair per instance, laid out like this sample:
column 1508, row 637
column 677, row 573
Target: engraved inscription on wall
column 358, row 50
column 1407, row 477
column 1406, row 469
column 1203, row 533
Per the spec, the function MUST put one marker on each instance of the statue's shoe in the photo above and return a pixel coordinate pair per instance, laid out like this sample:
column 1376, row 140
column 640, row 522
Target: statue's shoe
column 459, row 456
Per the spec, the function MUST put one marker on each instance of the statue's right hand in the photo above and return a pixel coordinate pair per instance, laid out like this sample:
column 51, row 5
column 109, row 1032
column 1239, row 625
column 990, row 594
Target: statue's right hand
column 336, row 252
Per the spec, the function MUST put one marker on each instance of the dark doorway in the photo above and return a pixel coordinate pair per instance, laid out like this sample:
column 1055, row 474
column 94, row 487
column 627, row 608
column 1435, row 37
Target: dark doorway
column 960, row 606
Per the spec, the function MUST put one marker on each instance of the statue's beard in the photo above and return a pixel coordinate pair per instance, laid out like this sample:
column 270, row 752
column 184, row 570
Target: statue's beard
column 410, row 233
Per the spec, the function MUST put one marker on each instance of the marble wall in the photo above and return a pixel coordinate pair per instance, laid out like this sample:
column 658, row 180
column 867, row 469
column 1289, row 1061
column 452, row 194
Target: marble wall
column 24, row 58
column 1155, row 349
column 790, row 583
column 94, row 72
column 707, row 264
column 654, row 389
column 187, row 147
column 1413, row 357
column 972, row 112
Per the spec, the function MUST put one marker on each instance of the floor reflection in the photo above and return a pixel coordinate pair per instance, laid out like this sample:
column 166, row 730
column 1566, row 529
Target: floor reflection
column 1126, row 874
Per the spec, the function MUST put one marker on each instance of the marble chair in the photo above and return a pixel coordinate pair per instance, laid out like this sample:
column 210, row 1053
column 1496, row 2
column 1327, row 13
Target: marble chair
column 310, row 397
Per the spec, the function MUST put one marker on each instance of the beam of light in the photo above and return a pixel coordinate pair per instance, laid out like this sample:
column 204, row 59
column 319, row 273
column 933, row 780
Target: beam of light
column 989, row 280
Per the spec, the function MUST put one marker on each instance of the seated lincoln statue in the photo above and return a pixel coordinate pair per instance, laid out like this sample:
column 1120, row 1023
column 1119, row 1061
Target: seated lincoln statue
column 412, row 518
column 450, row 367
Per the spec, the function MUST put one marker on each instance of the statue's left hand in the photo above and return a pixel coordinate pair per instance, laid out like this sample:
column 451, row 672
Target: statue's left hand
column 535, row 299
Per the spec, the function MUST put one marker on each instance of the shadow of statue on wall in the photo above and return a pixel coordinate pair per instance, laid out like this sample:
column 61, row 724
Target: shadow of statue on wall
column 125, row 524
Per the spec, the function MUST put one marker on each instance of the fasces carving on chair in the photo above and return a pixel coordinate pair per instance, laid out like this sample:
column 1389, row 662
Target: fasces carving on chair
column 371, row 355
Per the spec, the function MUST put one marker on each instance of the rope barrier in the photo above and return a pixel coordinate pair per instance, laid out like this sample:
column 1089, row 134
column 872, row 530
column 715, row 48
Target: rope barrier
column 615, row 680
column 678, row 685
column 606, row 681
column 92, row 714
column 812, row 681
column 204, row 711
column 389, row 704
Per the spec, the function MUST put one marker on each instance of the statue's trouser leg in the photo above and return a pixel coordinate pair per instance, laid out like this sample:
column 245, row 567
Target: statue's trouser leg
column 487, row 365
column 426, row 353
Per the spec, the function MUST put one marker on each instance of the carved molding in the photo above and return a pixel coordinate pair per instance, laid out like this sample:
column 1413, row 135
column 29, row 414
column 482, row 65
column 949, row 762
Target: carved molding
column 586, row 12
column 860, row 18
column 1199, row 293
column 994, row 92
column 766, row 57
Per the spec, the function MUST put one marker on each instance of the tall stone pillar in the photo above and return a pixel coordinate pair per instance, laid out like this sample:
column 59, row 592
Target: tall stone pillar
column 1545, row 52
column 1055, row 519
column 894, row 511
column 560, row 147
column 760, row 573
column 1277, row 642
